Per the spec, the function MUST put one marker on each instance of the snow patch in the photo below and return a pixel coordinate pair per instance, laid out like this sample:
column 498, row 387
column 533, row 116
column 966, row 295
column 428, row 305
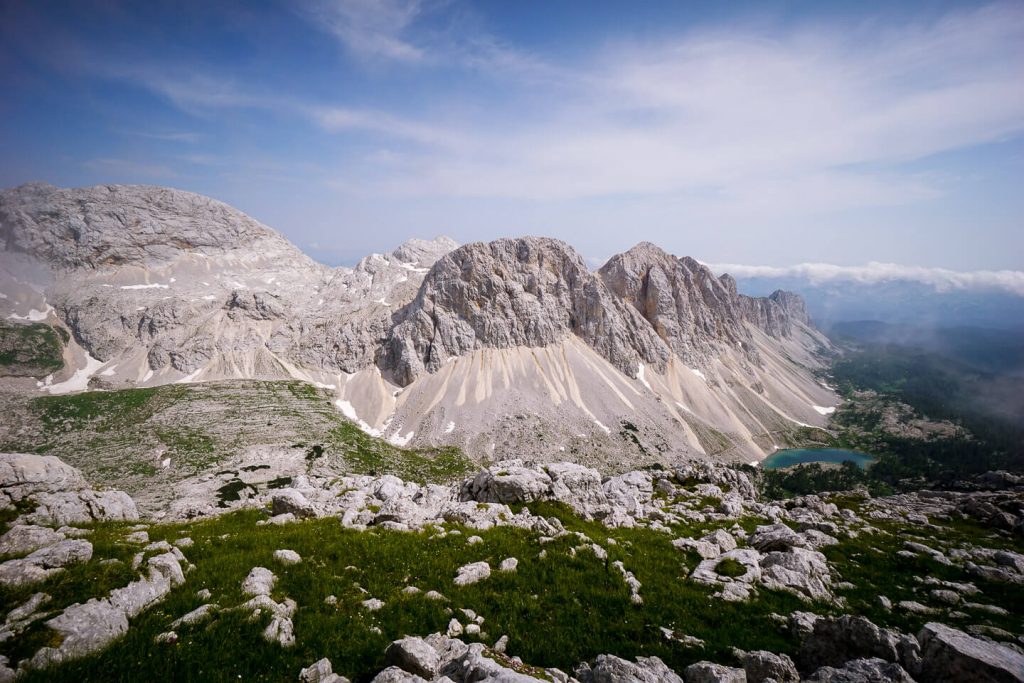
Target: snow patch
column 209, row 297
column 166, row 462
column 684, row 407
column 449, row 428
column 2, row 295
column 148, row 376
column 78, row 381
column 640, row 376
column 33, row 315
column 152, row 286
column 825, row 411
column 348, row 411
column 598, row 423
column 401, row 441
column 699, row 374
column 109, row 371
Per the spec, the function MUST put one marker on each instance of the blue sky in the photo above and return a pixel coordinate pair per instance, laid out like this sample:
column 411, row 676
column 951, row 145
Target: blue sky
column 759, row 133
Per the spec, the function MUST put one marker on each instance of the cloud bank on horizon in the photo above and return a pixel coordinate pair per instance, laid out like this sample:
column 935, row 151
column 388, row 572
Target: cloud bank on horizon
column 942, row 280
column 743, row 134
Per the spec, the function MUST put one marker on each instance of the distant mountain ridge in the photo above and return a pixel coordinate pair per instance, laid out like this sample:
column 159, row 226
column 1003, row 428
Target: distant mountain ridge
column 431, row 343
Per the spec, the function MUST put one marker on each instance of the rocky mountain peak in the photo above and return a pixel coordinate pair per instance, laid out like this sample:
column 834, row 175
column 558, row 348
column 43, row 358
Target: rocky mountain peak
column 529, row 291
column 687, row 306
column 115, row 225
column 423, row 253
column 792, row 305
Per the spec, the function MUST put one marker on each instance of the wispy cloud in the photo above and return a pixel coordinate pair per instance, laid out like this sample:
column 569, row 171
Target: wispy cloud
column 796, row 120
column 389, row 125
column 369, row 28
column 164, row 136
column 941, row 279
column 128, row 169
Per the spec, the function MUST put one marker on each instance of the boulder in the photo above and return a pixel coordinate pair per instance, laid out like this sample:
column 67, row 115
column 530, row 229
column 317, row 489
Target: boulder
column 393, row 674
column 291, row 501
column 83, row 629
column 21, row 539
column 612, row 669
column 414, row 655
column 22, row 474
column 761, row 665
column 474, row 666
column 320, row 672
column 775, row 537
column 260, row 581
column 836, row 640
column 950, row 655
column 709, row 672
column 862, row 671
column 722, row 539
column 45, row 562
column 82, row 507
column 280, row 630
column 471, row 573
column 508, row 482
column 799, row 571
column 287, row 557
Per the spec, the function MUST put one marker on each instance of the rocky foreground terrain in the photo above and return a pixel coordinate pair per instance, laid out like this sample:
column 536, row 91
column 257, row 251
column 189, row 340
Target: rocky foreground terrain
column 429, row 345
column 520, row 572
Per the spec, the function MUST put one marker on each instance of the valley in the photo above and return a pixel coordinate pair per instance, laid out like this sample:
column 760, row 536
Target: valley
column 221, row 461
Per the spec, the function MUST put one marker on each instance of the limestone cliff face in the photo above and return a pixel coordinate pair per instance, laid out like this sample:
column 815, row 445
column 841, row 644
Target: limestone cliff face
column 691, row 311
column 514, row 292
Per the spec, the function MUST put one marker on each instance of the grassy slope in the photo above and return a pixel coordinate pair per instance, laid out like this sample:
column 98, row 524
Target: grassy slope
column 119, row 437
column 557, row 611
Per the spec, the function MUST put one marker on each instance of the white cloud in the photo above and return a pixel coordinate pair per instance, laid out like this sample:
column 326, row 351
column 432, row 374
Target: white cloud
column 347, row 119
column 733, row 127
column 729, row 128
column 941, row 279
column 370, row 28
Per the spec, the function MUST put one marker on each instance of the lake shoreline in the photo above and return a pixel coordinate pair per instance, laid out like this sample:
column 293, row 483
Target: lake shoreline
column 791, row 457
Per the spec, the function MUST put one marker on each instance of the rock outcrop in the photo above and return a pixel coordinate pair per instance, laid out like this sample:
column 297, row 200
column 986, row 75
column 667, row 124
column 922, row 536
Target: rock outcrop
column 57, row 492
column 514, row 292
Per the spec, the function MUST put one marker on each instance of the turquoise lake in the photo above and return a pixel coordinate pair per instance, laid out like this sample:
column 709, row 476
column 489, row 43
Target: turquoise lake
column 797, row 456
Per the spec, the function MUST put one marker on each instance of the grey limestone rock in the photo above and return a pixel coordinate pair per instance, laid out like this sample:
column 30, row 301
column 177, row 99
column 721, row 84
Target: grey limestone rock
column 45, row 562
column 414, row 655
column 948, row 654
column 260, row 581
column 761, row 665
column 471, row 573
column 709, row 672
column 871, row 670
column 526, row 291
column 612, row 669
column 25, row 538
column 833, row 641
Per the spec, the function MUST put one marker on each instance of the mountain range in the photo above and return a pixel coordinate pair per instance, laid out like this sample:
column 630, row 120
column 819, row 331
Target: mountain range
column 503, row 348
